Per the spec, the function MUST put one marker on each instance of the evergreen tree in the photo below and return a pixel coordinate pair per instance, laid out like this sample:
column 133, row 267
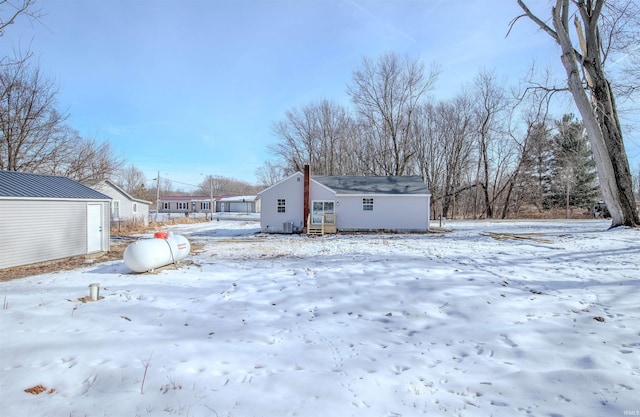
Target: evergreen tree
column 574, row 177
column 535, row 178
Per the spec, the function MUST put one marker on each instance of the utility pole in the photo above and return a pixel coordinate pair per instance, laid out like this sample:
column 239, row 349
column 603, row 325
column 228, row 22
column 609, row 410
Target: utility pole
column 157, row 196
column 211, row 195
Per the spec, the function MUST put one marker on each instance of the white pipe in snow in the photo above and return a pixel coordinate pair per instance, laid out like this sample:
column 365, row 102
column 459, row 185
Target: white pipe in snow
column 94, row 292
column 148, row 254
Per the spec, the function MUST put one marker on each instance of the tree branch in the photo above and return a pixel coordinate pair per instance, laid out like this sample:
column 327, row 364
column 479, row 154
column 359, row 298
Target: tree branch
column 21, row 9
column 537, row 20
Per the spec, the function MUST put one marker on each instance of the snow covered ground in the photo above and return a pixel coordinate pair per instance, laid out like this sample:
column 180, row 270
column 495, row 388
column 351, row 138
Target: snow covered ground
column 445, row 324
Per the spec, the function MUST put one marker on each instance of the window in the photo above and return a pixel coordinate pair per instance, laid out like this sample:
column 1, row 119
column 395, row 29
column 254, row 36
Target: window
column 367, row 204
column 319, row 209
column 204, row 206
column 183, row 206
column 115, row 209
column 281, row 205
column 165, row 206
column 134, row 207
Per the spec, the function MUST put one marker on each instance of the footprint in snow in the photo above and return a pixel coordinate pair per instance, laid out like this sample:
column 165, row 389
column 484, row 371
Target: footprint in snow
column 508, row 341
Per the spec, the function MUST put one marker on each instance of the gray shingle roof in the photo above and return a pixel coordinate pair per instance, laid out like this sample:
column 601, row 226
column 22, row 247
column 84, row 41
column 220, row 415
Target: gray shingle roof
column 374, row 185
column 22, row 184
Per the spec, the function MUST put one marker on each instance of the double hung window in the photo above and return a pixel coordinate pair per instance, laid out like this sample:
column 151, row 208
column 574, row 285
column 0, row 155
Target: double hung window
column 281, row 205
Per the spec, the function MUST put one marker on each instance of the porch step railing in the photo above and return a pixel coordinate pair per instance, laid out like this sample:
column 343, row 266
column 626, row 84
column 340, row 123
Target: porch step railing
column 327, row 225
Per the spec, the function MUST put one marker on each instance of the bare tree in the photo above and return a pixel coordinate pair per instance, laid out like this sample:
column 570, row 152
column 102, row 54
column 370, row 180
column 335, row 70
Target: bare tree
column 270, row 173
column 216, row 185
column 386, row 93
column 315, row 134
column 445, row 135
column 431, row 151
column 490, row 112
column 133, row 181
column 529, row 133
column 11, row 10
column 593, row 95
column 29, row 121
column 81, row 159
column 33, row 135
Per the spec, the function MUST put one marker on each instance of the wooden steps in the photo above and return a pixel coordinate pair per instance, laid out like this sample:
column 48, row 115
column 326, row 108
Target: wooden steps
column 328, row 225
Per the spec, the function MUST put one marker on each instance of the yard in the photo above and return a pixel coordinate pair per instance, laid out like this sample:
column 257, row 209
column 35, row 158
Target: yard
column 529, row 318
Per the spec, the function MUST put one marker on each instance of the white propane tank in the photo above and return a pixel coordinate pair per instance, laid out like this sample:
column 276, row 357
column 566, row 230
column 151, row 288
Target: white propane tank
column 164, row 249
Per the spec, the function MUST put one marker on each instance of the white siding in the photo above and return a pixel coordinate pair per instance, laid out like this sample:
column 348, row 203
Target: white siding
column 36, row 231
column 292, row 191
column 391, row 212
column 239, row 207
column 125, row 204
column 320, row 192
column 400, row 213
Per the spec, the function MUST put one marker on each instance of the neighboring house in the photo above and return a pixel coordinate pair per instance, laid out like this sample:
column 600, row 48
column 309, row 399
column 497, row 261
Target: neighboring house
column 186, row 204
column 45, row 217
column 346, row 203
column 237, row 204
column 124, row 207
column 206, row 204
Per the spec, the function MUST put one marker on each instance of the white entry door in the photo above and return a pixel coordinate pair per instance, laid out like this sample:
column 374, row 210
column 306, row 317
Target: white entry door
column 94, row 228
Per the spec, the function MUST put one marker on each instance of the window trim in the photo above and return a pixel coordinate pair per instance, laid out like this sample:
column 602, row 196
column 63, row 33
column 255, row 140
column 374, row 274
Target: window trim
column 316, row 215
column 281, row 205
column 367, row 203
column 115, row 209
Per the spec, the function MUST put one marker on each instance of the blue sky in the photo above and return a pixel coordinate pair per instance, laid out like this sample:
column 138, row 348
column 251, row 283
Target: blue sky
column 192, row 87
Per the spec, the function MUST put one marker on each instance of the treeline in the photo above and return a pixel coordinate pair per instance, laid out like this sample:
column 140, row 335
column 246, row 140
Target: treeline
column 490, row 151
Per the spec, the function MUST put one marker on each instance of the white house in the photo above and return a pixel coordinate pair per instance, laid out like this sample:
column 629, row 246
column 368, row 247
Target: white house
column 345, row 203
column 124, row 207
column 45, row 217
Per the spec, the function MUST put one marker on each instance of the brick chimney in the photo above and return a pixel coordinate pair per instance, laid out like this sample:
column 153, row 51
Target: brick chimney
column 306, row 194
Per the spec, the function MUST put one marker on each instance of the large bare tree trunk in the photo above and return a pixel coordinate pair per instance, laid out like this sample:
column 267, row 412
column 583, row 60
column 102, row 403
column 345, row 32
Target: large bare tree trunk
column 599, row 113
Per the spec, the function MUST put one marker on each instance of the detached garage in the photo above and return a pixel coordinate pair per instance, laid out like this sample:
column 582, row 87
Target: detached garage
column 45, row 217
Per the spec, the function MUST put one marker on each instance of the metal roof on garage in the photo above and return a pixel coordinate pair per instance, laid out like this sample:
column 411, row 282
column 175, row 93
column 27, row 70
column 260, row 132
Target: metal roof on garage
column 28, row 185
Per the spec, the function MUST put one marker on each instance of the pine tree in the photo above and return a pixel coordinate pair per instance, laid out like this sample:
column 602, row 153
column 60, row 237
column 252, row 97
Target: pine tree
column 535, row 179
column 574, row 177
